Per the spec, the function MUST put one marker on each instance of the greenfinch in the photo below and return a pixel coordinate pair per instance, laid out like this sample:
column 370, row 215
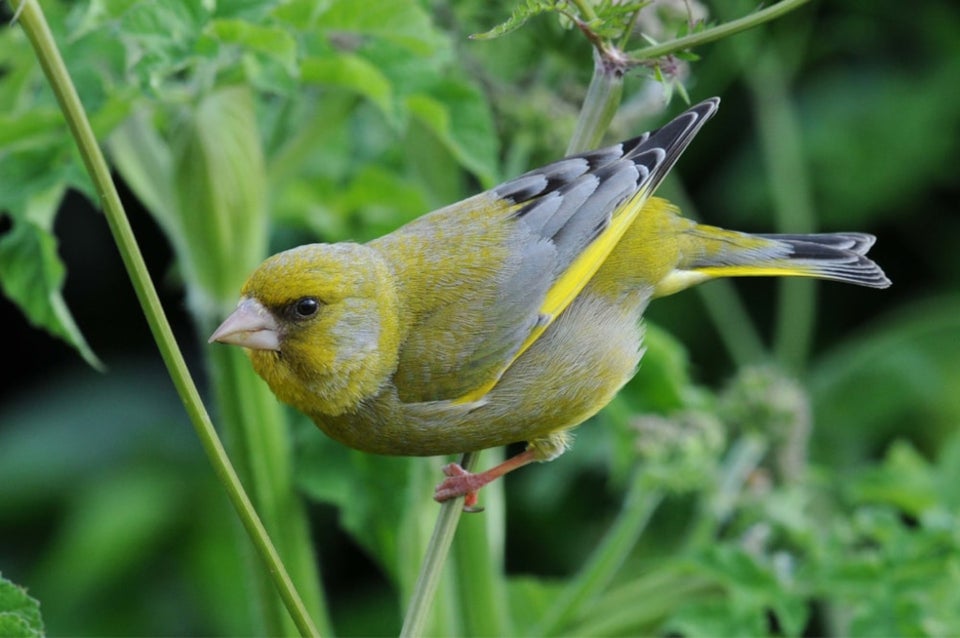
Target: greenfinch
column 513, row 315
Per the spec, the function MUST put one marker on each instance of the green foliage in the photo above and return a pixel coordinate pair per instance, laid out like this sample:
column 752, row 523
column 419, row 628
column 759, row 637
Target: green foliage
column 19, row 613
column 32, row 275
column 519, row 16
column 824, row 501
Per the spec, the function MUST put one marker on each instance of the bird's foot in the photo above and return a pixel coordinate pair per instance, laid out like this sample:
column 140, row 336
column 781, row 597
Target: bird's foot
column 460, row 482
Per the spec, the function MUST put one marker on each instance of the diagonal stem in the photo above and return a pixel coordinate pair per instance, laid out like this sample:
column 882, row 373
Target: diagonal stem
column 718, row 32
column 38, row 31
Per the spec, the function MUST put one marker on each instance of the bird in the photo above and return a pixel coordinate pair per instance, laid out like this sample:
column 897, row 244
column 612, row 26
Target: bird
column 511, row 316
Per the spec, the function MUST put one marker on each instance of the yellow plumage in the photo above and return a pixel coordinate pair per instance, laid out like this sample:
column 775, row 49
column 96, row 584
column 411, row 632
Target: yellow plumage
column 513, row 315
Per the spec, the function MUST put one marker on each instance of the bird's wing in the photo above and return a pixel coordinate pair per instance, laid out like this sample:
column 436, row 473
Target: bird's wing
column 486, row 277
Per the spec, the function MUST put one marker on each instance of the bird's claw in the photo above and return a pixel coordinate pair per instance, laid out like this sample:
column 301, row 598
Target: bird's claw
column 459, row 482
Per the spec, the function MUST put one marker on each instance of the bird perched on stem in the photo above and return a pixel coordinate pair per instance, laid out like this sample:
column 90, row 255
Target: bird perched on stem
column 513, row 315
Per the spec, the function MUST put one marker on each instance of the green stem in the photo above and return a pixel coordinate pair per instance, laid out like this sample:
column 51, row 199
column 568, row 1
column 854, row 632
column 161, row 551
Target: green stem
column 599, row 106
column 585, row 9
column 258, row 437
column 715, row 33
column 597, row 573
column 38, row 31
column 479, row 554
column 418, row 611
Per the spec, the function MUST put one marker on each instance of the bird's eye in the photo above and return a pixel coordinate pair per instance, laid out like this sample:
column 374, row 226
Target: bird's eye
column 306, row 307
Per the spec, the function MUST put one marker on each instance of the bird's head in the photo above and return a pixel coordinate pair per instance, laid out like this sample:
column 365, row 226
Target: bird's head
column 320, row 325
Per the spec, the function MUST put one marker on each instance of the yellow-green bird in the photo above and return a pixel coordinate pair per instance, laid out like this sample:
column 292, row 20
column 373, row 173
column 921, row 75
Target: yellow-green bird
column 513, row 315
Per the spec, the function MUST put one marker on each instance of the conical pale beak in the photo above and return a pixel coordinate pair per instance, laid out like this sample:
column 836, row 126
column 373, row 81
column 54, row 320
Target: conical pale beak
column 251, row 326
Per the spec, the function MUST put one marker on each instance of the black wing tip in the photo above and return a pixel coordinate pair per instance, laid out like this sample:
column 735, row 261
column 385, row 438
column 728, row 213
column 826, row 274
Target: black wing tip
column 655, row 152
column 686, row 124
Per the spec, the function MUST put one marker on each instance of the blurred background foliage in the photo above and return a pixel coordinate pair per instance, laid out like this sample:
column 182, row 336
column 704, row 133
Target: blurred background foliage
column 787, row 489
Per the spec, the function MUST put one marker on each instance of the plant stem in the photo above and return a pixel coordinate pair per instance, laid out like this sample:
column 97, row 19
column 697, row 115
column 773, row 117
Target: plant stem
column 599, row 106
column 418, row 611
column 257, row 434
column 478, row 550
column 715, row 33
column 638, row 506
column 585, row 8
column 38, row 31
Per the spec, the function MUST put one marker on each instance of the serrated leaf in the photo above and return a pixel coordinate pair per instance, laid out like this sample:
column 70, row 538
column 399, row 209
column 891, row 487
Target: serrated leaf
column 32, row 275
column 905, row 480
column 163, row 22
column 19, row 613
column 518, row 17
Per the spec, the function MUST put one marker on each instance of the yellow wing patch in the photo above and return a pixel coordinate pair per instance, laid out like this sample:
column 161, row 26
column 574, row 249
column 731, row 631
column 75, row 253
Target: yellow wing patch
column 572, row 282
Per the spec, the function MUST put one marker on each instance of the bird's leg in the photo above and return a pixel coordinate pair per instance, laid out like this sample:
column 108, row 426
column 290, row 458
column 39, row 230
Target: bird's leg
column 460, row 482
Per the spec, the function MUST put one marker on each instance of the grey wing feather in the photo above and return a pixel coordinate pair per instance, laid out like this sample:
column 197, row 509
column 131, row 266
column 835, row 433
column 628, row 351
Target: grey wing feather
column 556, row 211
column 570, row 202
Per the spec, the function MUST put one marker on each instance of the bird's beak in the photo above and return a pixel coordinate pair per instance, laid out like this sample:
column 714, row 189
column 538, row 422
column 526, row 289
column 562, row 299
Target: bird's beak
column 251, row 326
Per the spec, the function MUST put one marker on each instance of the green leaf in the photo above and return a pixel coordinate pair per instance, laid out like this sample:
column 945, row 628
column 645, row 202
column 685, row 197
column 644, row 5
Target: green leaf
column 144, row 160
column 887, row 576
column 662, row 383
column 273, row 42
column 32, row 275
column 404, row 22
column 353, row 73
column 458, row 115
column 754, row 588
column 374, row 496
column 905, row 480
column 220, row 186
column 383, row 201
column 34, row 128
column 19, row 613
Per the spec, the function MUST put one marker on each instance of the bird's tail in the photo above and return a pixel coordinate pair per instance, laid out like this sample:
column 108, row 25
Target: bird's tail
column 722, row 253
